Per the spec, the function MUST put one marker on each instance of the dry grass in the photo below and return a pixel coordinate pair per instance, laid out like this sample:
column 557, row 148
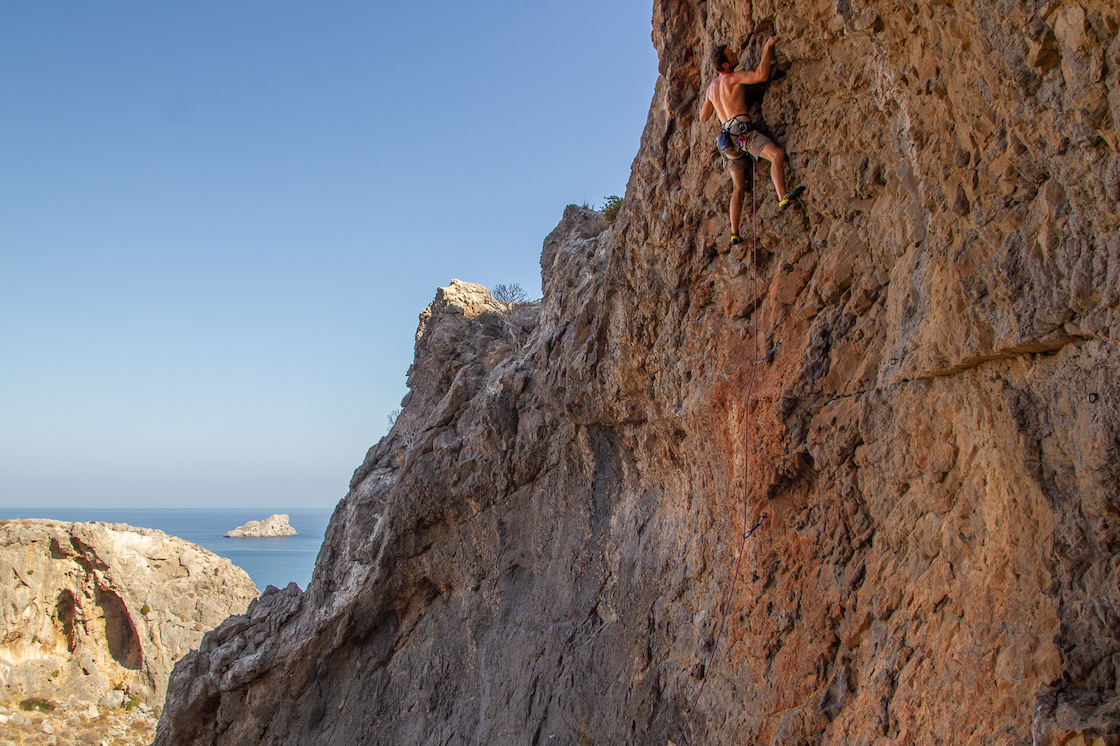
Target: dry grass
column 74, row 725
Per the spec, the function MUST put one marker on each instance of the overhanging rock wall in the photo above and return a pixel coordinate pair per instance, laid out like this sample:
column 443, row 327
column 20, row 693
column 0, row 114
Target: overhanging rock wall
column 538, row 551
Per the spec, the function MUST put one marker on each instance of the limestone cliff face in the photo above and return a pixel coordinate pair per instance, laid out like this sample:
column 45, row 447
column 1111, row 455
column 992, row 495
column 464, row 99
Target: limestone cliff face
column 93, row 608
column 539, row 550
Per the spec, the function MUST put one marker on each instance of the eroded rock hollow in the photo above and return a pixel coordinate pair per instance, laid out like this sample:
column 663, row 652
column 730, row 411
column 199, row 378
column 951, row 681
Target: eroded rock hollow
column 100, row 612
column 539, row 551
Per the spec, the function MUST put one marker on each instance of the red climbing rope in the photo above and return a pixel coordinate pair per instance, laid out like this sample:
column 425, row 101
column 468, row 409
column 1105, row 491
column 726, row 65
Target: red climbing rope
column 746, row 453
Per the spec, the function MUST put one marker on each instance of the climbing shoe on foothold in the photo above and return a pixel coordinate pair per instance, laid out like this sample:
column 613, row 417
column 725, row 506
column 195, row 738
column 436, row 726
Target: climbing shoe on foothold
column 735, row 239
column 790, row 197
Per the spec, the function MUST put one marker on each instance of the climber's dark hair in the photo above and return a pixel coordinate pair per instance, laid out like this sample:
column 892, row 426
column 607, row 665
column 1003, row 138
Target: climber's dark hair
column 719, row 56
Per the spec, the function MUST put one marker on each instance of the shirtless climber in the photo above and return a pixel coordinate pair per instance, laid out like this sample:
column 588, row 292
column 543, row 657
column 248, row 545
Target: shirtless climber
column 727, row 98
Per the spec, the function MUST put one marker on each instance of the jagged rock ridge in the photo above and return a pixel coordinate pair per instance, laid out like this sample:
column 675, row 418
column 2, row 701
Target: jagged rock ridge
column 538, row 550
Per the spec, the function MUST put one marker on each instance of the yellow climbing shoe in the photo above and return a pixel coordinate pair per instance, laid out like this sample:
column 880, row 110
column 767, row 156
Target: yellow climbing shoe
column 735, row 239
column 790, row 197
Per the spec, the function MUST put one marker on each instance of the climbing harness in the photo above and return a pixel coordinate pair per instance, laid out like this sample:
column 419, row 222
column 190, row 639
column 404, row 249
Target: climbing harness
column 732, row 138
column 746, row 455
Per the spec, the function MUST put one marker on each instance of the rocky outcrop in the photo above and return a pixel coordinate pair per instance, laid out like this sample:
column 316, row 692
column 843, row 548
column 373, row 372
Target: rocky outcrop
column 540, row 550
column 275, row 525
column 99, row 613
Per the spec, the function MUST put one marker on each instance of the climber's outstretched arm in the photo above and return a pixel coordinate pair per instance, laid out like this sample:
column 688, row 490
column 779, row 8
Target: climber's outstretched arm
column 760, row 74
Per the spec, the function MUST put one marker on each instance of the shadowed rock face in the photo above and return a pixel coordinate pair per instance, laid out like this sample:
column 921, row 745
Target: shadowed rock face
column 91, row 608
column 539, row 550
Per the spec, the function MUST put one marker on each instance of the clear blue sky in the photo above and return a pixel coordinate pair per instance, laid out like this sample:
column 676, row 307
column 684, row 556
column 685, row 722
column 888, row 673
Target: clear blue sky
column 220, row 220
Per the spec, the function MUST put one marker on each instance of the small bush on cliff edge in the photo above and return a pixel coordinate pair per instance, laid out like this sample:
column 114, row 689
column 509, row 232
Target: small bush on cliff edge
column 408, row 432
column 611, row 207
column 509, row 295
column 510, row 298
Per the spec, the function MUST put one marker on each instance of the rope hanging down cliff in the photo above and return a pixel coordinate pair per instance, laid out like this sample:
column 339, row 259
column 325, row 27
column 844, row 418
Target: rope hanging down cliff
column 746, row 455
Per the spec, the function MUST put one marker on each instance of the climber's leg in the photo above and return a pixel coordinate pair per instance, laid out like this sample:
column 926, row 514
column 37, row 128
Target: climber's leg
column 777, row 158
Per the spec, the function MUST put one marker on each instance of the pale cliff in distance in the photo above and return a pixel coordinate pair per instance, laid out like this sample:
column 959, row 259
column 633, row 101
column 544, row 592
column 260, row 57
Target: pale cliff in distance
column 90, row 610
column 275, row 525
column 539, row 550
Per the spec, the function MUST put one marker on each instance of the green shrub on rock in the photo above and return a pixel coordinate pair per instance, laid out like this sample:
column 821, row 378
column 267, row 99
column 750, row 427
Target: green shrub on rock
column 611, row 207
column 34, row 703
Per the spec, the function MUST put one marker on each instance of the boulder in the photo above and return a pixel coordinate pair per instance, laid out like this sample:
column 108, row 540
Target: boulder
column 111, row 700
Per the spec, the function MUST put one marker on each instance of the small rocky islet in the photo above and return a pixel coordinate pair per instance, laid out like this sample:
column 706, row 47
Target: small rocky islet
column 275, row 525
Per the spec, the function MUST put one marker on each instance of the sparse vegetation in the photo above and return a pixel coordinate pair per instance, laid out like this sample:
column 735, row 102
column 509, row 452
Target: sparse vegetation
column 407, row 432
column 71, row 724
column 34, row 703
column 511, row 297
column 512, row 294
column 611, row 207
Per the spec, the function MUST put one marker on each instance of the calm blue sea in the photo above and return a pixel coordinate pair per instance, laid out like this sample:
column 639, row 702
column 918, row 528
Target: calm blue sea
column 276, row 561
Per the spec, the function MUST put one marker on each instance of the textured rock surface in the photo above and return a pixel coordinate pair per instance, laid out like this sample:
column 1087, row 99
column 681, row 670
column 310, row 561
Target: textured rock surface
column 93, row 611
column 538, row 551
column 275, row 525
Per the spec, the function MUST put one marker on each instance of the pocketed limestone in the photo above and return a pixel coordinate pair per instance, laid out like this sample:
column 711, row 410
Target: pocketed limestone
column 101, row 612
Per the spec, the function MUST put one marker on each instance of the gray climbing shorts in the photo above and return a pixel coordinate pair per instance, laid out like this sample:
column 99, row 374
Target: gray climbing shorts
column 737, row 139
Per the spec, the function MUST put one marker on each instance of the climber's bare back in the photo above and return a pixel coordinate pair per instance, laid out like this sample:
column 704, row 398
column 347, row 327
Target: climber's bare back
column 727, row 95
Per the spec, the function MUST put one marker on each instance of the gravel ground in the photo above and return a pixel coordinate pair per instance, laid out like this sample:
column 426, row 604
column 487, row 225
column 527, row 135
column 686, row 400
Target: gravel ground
column 80, row 724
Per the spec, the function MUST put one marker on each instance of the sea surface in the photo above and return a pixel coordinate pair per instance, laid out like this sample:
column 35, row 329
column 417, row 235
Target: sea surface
column 274, row 561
